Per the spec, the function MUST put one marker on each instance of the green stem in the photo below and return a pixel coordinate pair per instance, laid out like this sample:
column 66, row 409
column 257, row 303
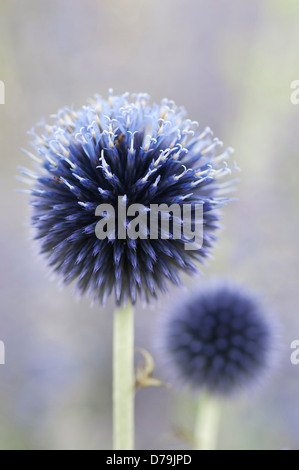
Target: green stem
column 123, row 379
column 207, row 423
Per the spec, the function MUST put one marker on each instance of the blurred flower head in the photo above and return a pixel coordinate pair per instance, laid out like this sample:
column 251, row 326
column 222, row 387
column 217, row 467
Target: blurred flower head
column 218, row 339
column 123, row 147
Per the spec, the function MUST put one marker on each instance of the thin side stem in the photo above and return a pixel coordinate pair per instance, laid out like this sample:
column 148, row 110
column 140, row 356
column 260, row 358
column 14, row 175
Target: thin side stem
column 123, row 379
column 207, row 423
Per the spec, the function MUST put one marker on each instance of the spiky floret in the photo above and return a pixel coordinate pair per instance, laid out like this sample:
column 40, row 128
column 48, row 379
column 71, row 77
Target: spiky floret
column 123, row 146
column 219, row 339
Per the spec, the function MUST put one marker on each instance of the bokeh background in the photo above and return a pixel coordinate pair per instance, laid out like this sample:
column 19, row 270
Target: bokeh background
column 231, row 64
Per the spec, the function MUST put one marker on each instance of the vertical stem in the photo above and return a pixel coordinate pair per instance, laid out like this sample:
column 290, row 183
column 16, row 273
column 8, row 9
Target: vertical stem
column 207, row 423
column 123, row 378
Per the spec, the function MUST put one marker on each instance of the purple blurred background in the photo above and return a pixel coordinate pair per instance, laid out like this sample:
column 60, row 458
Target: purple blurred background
column 231, row 65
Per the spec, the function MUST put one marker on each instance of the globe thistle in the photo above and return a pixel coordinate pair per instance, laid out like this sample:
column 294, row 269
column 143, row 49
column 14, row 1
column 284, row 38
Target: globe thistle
column 121, row 147
column 218, row 339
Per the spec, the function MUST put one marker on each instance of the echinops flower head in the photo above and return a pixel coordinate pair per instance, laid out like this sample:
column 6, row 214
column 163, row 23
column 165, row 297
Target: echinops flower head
column 219, row 339
column 123, row 148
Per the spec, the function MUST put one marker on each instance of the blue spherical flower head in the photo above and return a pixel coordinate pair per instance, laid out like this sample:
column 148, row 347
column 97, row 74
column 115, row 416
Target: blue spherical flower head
column 122, row 149
column 219, row 339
